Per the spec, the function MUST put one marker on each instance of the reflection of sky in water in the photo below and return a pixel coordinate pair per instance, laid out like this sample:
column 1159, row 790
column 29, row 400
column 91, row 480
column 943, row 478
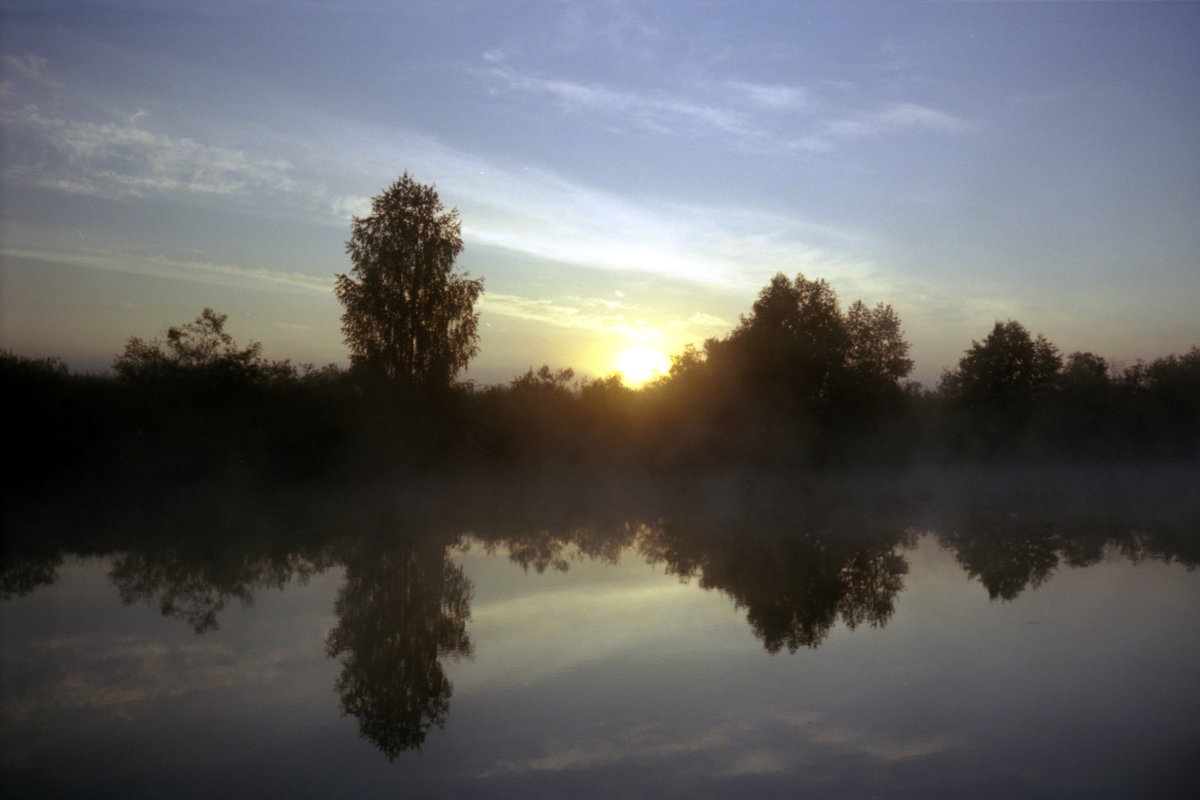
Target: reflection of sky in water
column 603, row 680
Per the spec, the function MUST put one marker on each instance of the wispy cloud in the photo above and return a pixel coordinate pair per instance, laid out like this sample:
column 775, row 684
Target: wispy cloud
column 774, row 97
column 547, row 217
column 25, row 67
column 657, row 111
column 111, row 159
column 749, row 115
column 556, row 313
column 625, row 321
column 525, row 210
column 899, row 118
column 163, row 266
column 711, row 324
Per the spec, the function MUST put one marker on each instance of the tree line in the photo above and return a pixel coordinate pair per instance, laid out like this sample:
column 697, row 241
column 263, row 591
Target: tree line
column 801, row 381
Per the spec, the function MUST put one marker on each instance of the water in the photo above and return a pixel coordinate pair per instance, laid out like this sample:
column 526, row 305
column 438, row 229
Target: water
column 934, row 636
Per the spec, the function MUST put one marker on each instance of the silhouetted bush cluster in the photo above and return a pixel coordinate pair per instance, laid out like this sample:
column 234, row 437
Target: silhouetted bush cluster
column 799, row 383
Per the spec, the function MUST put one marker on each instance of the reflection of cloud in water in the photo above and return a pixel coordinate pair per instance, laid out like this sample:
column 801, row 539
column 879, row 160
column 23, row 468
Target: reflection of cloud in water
column 746, row 744
column 881, row 748
column 641, row 744
column 595, row 615
column 124, row 675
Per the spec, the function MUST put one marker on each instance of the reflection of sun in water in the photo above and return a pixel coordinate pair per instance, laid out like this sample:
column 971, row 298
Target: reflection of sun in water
column 640, row 364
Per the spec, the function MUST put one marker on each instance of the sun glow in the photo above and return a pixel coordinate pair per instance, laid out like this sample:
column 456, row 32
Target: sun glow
column 640, row 364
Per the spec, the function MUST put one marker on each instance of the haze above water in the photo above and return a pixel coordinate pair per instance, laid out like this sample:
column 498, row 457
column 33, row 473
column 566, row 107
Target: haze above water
column 982, row 634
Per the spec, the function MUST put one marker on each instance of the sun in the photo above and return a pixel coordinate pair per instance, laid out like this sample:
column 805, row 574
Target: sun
column 640, row 364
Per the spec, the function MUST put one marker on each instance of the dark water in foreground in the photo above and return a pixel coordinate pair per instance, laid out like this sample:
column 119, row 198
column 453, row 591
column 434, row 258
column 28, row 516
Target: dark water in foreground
column 978, row 635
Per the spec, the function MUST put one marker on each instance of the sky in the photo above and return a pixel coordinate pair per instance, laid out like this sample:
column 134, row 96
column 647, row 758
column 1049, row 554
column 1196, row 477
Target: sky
column 628, row 174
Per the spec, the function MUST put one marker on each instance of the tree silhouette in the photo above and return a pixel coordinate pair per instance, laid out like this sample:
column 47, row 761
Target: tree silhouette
column 200, row 349
column 792, row 347
column 1007, row 371
column 408, row 315
column 1000, row 381
column 798, row 377
column 878, row 353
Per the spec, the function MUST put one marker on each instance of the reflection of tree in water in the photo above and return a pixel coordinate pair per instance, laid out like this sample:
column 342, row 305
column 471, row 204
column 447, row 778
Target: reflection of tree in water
column 402, row 610
column 194, row 586
column 20, row 576
column 794, row 577
column 794, row 588
column 543, row 549
column 1006, row 554
column 1012, row 542
column 1012, row 551
column 797, row 560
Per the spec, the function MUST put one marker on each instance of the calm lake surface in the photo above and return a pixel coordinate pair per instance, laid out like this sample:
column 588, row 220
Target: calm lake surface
column 942, row 634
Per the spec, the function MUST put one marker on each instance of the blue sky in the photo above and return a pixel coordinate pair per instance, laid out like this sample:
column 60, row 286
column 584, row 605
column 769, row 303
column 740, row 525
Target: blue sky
column 627, row 173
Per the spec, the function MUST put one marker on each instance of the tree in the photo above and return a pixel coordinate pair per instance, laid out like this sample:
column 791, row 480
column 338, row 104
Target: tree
column 1008, row 371
column 798, row 346
column 792, row 347
column 408, row 315
column 1000, row 383
column 200, row 349
column 878, row 353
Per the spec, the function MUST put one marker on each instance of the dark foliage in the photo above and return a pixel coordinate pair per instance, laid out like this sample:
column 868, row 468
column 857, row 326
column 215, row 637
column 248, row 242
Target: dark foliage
column 408, row 316
column 799, row 383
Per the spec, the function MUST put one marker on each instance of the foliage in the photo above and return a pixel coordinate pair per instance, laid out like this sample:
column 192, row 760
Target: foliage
column 58, row 413
column 878, row 352
column 798, row 383
column 797, row 380
column 798, row 342
column 999, row 383
column 201, row 348
column 792, row 348
column 408, row 316
column 1007, row 371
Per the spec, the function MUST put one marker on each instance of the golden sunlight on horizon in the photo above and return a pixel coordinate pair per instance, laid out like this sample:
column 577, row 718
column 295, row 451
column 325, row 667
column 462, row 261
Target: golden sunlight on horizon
column 640, row 364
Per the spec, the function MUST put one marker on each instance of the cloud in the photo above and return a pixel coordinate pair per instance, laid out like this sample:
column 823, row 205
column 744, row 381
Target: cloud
column 611, row 29
column 658, row 112
column 27, row 67
column 524, row 210
column 542, row 215
column 549, row 312
column 700, row 321
column 347, row 206
column 521, row 209
column 622, row 320
column 899, row 118
column 118, row 160
column 772, row 97
column 163, row 266
column 751, row 116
